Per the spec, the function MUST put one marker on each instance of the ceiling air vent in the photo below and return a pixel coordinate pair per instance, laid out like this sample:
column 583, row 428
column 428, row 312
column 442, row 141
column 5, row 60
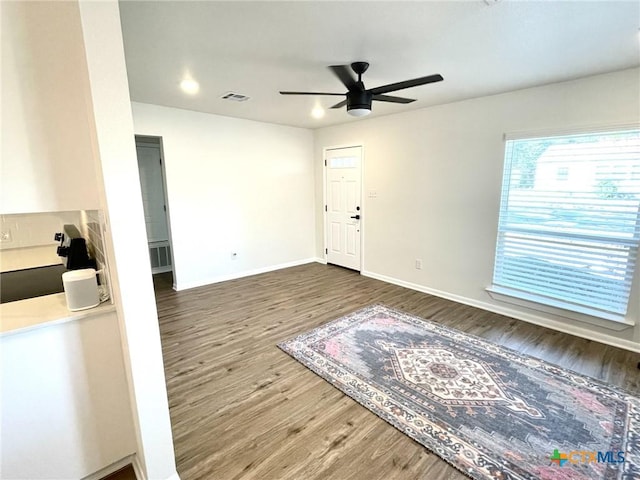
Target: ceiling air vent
column 236, row 97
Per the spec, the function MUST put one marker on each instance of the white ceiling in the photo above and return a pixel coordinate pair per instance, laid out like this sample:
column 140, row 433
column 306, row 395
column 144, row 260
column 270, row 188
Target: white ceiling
column 260, row 48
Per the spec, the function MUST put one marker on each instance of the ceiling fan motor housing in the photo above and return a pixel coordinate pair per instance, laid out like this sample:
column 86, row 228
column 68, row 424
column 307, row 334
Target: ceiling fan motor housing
column 359, row 100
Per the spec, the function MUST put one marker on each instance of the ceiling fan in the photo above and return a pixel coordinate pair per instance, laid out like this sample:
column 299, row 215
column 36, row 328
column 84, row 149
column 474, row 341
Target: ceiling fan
column 359, row 99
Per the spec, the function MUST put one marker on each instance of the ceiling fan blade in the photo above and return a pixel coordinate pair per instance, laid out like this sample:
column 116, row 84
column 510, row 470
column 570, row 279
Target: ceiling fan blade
column 310, row 93
column 340, row 104
column 389, row 98
column 344, row 74
column 392, row 87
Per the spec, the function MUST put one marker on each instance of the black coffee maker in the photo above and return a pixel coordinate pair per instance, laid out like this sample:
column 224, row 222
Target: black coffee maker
column 73, row 249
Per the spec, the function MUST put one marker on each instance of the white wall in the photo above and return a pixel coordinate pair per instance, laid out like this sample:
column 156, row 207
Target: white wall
column 125, row 237
column 233, row 186
column 33, row 229
column 44, row 112
column 437, row 173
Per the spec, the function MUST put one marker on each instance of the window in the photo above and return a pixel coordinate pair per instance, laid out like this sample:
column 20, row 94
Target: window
column 570, row 239
column 562, row 173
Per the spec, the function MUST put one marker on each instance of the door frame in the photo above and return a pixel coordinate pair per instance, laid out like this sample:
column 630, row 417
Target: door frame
column 324, row 200
column 158, row 142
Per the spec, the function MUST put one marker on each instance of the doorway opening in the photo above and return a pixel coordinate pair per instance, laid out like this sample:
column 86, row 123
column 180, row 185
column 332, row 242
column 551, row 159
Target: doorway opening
column 343, row 206
column 154, row 200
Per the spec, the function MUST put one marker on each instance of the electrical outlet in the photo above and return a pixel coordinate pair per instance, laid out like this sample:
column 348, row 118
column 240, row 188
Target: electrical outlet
column 5, row 236
column 418, row 264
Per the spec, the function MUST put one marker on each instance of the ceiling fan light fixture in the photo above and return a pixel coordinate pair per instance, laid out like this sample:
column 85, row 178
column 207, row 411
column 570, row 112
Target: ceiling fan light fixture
column 359, row 112
column 359, row 103
column 359, row 98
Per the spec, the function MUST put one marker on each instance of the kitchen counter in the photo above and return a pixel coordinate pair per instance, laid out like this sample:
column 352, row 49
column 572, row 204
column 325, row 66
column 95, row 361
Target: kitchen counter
column 28, row 257
column 24, row 315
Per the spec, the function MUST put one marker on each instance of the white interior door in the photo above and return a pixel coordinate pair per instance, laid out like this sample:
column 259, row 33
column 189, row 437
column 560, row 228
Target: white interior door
column 151, row 182
column 344, row 213
column 154, row 203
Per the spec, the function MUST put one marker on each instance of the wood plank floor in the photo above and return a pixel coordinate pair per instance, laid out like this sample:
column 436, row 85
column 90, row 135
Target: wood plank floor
column 243, row 409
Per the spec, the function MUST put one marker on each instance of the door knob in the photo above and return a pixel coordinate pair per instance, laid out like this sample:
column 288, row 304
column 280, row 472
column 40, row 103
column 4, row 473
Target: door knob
column 357, row 217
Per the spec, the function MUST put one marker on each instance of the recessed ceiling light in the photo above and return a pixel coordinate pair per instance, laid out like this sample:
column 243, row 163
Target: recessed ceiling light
column 317, row 112
column 189, row 86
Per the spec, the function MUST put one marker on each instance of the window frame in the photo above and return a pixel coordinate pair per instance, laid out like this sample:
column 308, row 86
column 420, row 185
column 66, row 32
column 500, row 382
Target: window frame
column 540, row 302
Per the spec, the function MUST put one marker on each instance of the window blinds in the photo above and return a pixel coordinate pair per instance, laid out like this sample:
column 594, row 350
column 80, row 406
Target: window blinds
column 569, row 223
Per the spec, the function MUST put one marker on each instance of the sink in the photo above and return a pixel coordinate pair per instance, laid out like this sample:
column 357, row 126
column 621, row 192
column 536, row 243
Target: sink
column 31, row 282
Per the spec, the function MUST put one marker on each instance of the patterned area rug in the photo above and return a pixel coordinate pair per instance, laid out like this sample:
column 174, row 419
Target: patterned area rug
column 491, row 412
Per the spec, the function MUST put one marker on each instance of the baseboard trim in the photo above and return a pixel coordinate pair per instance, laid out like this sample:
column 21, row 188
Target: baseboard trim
column 245, row 273
column 137, row 468
column 323, row 261
column 113, row 468
column 509, row 312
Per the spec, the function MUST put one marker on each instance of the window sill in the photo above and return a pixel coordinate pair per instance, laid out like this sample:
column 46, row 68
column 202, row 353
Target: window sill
column 595, row 317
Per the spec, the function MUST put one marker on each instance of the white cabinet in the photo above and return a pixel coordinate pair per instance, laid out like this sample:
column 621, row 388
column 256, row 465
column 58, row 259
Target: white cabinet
column 65, row 407
column 48, row 162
